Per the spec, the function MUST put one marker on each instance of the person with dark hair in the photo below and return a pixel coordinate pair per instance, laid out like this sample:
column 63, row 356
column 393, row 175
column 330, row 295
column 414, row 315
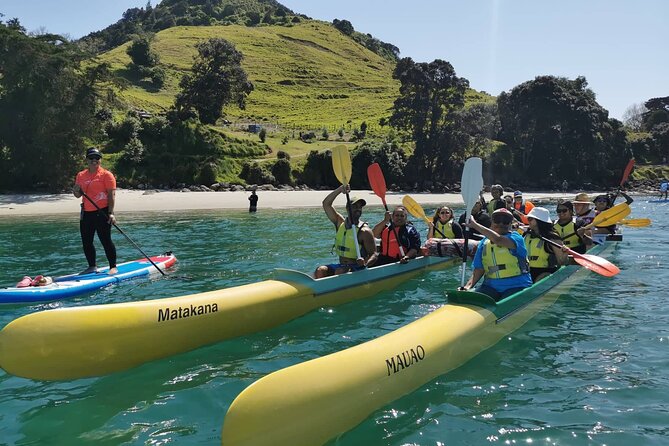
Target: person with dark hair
column 253, row 201
column 400, row 240
column 544, row 257
column 481, row 218
column 345, row 240
column 97, row 209
column 567, row 227
column 443, row 225
column 501, row 258
column 497, row 202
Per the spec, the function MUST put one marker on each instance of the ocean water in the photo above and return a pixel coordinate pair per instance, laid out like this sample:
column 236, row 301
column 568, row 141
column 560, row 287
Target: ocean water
column 593, row 369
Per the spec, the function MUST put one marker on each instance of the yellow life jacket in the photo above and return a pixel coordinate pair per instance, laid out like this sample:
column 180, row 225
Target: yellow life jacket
column 499, row 263
column 568, row 234
column 536, row 253
column 445, row 228
column 344, row 245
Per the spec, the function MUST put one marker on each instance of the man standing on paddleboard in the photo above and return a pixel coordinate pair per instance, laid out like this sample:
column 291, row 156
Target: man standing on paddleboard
column 97, row 186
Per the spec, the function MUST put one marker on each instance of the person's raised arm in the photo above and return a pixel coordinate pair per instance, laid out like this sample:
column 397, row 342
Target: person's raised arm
column 499, row 240
column 378, row 228
column 335, row 217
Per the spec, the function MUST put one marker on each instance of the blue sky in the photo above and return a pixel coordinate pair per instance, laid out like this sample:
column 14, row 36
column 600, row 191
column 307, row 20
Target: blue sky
column 620, row 46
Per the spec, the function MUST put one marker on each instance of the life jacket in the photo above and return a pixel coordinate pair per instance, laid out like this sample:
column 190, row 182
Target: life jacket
column 390, row 247
column 588, row 216
column 492, row 205
column 536, row 252
column 520, row 207
column 344, row 245
column 568, row 234
column 445, row 228
column 499, row 263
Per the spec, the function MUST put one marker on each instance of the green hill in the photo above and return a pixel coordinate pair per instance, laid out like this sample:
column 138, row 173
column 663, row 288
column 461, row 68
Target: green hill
column 309, row 75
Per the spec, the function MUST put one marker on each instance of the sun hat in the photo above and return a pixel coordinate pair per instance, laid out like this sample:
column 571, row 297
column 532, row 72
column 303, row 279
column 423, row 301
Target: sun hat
column 541, row 214
column 517, row 194
column 92, row 151
column 582, row 198
column 355, row 200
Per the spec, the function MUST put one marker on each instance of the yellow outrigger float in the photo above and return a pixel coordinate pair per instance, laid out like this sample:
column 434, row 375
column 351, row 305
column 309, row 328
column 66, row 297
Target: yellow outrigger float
column 78, row 342
column 313, row 402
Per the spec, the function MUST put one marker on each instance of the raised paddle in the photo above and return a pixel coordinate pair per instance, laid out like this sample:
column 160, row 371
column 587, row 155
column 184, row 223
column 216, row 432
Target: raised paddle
column 123, row 233
column 341, row 163
column 626, row 174
column 636, row 222
column 417, row 211
column 378, row 183
column 610, row 216
column 470, row 188
column 594, row 263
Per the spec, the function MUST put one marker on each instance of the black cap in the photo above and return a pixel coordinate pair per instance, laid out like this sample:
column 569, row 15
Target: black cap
column 93, row 151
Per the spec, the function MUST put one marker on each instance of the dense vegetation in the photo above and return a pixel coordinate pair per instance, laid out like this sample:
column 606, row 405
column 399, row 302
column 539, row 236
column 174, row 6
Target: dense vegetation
column 156, row 103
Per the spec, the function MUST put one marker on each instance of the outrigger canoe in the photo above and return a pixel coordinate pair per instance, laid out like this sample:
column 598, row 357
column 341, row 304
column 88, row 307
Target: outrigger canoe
column 78, row 342
column 312, row 402
column 77, row 284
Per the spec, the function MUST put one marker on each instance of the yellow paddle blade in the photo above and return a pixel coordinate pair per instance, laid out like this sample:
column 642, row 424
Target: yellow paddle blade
column 636, row 222
column 414, row 208
column 341, row 163
column 611, row 216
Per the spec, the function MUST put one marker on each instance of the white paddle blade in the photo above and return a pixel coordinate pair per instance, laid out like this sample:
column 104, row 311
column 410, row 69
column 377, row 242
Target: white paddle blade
column 471, row 183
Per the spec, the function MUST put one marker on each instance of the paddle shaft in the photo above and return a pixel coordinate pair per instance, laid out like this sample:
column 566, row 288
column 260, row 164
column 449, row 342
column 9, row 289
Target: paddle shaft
column 582, row 258
column 123, row 233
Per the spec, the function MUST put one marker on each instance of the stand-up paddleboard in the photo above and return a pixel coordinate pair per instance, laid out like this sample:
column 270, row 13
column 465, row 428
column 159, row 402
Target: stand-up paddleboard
column 75, row 284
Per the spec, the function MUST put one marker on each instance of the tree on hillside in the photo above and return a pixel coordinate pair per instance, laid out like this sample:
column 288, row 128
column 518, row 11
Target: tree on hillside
column 556, row 129
column 48, row 106
column 633, row 116
column 658, row 112
column 217, row 80
column 430, row 95
column 344, row 26
column 141, row 53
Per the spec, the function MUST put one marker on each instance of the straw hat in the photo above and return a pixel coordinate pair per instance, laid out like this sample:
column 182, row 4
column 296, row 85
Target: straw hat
column 582, row 198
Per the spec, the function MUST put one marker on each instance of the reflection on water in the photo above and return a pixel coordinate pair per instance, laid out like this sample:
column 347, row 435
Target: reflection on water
column 592, row 369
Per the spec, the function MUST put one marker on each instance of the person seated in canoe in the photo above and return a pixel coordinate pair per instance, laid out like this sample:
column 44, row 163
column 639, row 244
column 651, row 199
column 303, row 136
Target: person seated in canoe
column 521, row 207
column 567, row 228
column 604, row 202
column 544, row 257
column 344, row 245
column 508, row 199
column 443, row 225
column 501, row 258
column 481, row 218
column 497, row 202
column 400, row 240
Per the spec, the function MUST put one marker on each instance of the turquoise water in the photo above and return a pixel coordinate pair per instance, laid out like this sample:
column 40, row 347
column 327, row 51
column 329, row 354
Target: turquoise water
column 591, row 370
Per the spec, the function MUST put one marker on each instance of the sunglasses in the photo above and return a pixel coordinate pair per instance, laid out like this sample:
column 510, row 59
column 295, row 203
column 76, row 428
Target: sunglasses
column 601, row 200
column 93, row 158
column 562, row 211
column 445, row 212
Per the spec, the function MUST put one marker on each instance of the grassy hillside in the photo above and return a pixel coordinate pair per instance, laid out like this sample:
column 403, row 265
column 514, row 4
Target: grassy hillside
column 309, row 75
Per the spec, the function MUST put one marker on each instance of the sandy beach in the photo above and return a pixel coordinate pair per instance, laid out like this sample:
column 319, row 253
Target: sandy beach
column 163, row 201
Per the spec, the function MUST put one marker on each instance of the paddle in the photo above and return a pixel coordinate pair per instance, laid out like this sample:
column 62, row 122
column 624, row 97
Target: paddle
column 124, row 234
column 626, row 174
column 417, row 211
column 636, row 222
column 610, row 216
column 470, row 187
column 594, row 263
column 341, row 163
column 378, row 183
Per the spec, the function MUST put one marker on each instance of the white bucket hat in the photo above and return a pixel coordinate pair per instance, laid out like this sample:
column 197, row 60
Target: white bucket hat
column 540, row 214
